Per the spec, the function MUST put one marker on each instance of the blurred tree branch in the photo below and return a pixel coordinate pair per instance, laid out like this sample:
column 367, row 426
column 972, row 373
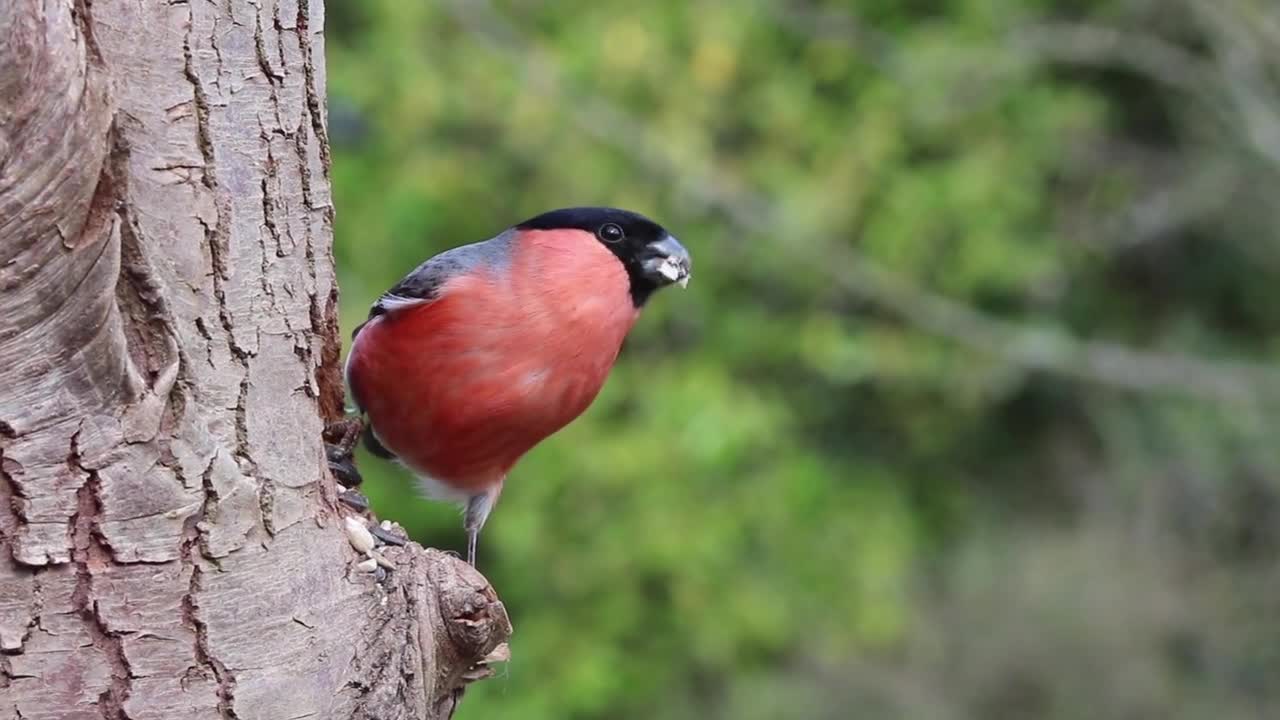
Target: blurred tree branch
column 1027, row 346
column 1235, row 84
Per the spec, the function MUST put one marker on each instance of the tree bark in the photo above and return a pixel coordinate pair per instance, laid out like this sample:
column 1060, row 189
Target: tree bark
column 170, row 541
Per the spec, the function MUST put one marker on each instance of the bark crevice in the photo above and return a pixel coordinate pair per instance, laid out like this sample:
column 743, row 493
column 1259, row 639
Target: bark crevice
column 226, row 681
column 89, row 552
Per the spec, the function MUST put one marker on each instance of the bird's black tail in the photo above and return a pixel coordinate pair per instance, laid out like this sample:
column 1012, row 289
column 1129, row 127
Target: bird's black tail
column 375, row 447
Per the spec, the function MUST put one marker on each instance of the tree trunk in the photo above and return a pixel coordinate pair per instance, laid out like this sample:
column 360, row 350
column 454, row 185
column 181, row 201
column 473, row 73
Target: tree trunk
column 170, row 543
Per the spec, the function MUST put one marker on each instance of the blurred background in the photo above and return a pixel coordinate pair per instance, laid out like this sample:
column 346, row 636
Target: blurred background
column 970, row 410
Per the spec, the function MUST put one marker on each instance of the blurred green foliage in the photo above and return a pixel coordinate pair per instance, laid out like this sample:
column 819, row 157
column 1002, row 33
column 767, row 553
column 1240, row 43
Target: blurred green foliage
column 966, row 412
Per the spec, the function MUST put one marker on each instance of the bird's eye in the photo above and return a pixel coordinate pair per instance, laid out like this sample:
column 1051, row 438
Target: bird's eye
column 610, row 233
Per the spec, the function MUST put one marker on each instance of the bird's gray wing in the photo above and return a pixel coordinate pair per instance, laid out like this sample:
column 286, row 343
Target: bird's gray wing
column 425, row 283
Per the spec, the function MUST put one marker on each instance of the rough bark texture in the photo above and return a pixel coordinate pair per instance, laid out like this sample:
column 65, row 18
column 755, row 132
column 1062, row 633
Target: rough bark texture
column 170, row 545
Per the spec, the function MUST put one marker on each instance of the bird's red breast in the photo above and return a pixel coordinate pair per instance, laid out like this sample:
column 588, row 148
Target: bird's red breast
column 461, row 386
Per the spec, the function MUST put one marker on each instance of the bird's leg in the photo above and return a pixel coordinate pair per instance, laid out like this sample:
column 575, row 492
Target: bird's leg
column 478, row 508
column 340, row 442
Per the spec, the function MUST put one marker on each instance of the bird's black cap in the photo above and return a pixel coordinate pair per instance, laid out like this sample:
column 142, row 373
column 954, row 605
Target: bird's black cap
column 633, row 238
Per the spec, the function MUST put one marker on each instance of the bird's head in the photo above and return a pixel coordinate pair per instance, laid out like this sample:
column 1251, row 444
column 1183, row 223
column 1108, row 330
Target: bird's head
column 652, row 257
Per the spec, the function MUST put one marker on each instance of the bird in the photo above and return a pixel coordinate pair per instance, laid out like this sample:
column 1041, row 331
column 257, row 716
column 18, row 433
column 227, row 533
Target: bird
column 485, row 350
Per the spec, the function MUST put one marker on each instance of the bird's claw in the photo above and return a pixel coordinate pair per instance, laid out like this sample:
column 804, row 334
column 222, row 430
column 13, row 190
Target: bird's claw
column 340, row 442
column 344, row 434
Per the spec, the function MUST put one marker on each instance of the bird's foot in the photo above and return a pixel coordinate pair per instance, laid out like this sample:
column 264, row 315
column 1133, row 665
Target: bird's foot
column 340, row 441
column 345, row 433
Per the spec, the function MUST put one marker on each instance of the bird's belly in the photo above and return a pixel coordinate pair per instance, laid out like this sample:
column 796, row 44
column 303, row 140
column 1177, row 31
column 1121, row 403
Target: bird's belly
column 463, row 404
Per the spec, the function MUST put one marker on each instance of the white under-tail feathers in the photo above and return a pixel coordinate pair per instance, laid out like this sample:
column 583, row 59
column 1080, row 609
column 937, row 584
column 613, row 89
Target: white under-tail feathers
column 435, row 489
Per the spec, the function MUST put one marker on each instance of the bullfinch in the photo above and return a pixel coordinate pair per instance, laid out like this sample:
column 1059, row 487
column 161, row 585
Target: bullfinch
column 485, row 350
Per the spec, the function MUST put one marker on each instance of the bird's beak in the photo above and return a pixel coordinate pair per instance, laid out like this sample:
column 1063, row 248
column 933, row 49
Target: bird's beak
column 666, row 262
